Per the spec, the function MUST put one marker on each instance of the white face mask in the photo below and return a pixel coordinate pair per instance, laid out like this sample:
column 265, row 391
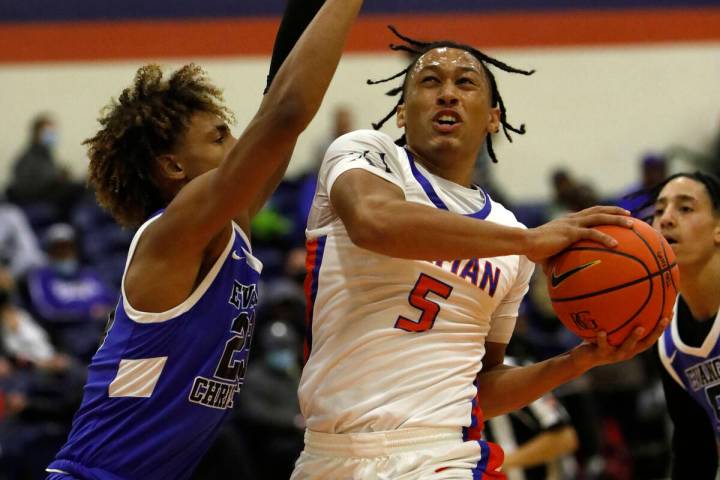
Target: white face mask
column 66, row 267
column 49, row 137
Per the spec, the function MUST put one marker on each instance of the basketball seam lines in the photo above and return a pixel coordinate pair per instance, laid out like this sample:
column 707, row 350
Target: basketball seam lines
column 650, row 292
column 657, row 262
column 649, row 277
column 617, row 287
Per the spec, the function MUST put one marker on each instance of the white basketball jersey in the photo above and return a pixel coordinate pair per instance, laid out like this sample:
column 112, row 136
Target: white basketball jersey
column 397, row 343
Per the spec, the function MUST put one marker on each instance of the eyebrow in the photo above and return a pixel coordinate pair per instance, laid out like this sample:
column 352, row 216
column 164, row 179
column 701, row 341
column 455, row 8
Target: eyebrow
column 464, row 68
column 221, row 129
column 682, row 197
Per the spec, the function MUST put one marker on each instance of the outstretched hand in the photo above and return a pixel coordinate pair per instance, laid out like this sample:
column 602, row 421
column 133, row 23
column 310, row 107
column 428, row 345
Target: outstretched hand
column 553, row 237
column 600, row 352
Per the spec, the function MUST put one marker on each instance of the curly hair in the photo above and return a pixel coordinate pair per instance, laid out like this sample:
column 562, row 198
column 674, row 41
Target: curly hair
column 147, row 120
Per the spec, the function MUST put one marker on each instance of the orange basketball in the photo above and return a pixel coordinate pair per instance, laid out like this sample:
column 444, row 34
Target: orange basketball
column 595, row 288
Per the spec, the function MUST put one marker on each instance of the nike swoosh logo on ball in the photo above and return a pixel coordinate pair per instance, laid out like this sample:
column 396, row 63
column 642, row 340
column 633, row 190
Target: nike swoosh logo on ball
column 556, row 280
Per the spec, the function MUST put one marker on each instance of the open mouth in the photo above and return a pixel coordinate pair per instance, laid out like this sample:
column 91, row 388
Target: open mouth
column 671, row 240
column 446, row 121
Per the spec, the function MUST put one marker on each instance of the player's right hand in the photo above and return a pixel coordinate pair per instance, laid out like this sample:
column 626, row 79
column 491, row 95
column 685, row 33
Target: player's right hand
column 553, row 237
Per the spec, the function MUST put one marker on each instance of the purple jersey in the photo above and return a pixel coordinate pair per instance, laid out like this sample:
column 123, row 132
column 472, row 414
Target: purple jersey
column 161, row 384
column 696, row 369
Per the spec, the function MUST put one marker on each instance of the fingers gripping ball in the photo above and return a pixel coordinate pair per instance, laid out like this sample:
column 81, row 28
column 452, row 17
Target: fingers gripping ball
column 594, row 288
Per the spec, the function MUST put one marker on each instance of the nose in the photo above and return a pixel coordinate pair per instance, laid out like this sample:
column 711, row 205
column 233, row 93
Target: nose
column 667, row 219
column 447, row 96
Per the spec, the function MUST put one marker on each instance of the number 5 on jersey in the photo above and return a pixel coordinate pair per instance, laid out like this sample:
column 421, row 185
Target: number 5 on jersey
column 418, row 299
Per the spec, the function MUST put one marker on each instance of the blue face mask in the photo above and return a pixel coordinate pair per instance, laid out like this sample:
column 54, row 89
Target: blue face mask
column 283, row 360
column 66, row 268
column 49, row 137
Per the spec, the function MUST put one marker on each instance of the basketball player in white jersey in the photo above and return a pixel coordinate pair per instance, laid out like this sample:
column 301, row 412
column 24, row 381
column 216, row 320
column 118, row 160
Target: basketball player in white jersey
column 414, row 281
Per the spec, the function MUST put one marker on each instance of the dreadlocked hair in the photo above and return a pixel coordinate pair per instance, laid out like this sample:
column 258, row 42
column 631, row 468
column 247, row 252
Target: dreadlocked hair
column 709, row 181
column 417, row 49
column 145, row 121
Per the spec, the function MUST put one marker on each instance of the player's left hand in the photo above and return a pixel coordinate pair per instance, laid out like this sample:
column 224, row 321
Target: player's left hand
column 600, row 352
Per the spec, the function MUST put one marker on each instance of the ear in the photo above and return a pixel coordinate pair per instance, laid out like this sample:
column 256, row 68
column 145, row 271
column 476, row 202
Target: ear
column 716, row 232
column 400, row 121
column 168, row 167
column 493, row 120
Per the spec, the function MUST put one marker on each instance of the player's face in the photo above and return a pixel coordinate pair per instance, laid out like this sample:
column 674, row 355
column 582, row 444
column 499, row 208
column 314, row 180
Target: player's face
column 684, row 215
column 205, row 144
column 447, row 103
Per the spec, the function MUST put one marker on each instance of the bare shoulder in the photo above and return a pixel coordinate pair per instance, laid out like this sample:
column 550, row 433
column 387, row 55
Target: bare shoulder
column 161, row 274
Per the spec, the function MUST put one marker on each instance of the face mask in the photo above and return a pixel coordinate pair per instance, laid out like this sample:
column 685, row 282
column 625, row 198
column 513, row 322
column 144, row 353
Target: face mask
column 281, row 360
column 66, row 267
column 49, row 137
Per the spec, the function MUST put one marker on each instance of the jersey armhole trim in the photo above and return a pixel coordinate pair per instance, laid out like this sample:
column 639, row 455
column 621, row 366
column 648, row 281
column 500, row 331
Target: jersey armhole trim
column 710, row 341
column 159, row 317
column 667, row 361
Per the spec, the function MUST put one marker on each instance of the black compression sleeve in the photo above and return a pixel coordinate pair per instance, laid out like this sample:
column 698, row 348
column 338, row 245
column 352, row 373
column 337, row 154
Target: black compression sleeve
column 694, row 450
column 298, row 15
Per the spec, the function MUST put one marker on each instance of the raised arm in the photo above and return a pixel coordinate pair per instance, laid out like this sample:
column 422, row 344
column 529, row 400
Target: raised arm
column 290, row 104
column 173, row 250
column 298, row 15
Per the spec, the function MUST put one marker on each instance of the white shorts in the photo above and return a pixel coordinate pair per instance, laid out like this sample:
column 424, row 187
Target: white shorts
column 408, row 454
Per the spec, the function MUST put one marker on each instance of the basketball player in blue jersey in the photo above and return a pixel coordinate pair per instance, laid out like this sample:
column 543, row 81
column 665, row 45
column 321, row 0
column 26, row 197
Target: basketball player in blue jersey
column 687, row 214
column 166, row 376
column 415, row 277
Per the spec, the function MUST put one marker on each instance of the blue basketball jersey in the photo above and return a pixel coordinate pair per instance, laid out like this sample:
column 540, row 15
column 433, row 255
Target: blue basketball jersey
column 160, row 386
column 696, row 369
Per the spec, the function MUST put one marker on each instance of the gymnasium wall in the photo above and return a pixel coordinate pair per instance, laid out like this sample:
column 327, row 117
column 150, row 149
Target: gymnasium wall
column 612, row 82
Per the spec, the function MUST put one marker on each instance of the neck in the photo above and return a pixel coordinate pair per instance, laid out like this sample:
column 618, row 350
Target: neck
column 454, row 166
column 699, row 286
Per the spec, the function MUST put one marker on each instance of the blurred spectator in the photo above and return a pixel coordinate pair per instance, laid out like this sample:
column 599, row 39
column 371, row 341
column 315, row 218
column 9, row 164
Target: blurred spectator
column 653, row 170
column 18, row 245
column 37, row 177
column 538, row 440
column 569, row 194
column 268, row 408
column 71, row 300
column 343, row 122
column 40, row 390
column 22, row 337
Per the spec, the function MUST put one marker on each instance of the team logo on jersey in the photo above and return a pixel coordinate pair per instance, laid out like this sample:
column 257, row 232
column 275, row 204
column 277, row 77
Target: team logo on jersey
column 486, row 277
column 243, row 296
column 704, row 374
column 375, row 159
column 556, row 280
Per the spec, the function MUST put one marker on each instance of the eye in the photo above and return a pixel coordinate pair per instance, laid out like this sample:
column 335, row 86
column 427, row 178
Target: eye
column 430, row 79
column 658, row 212
column 686, row 209
column 465, row 81
column 220, row 139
